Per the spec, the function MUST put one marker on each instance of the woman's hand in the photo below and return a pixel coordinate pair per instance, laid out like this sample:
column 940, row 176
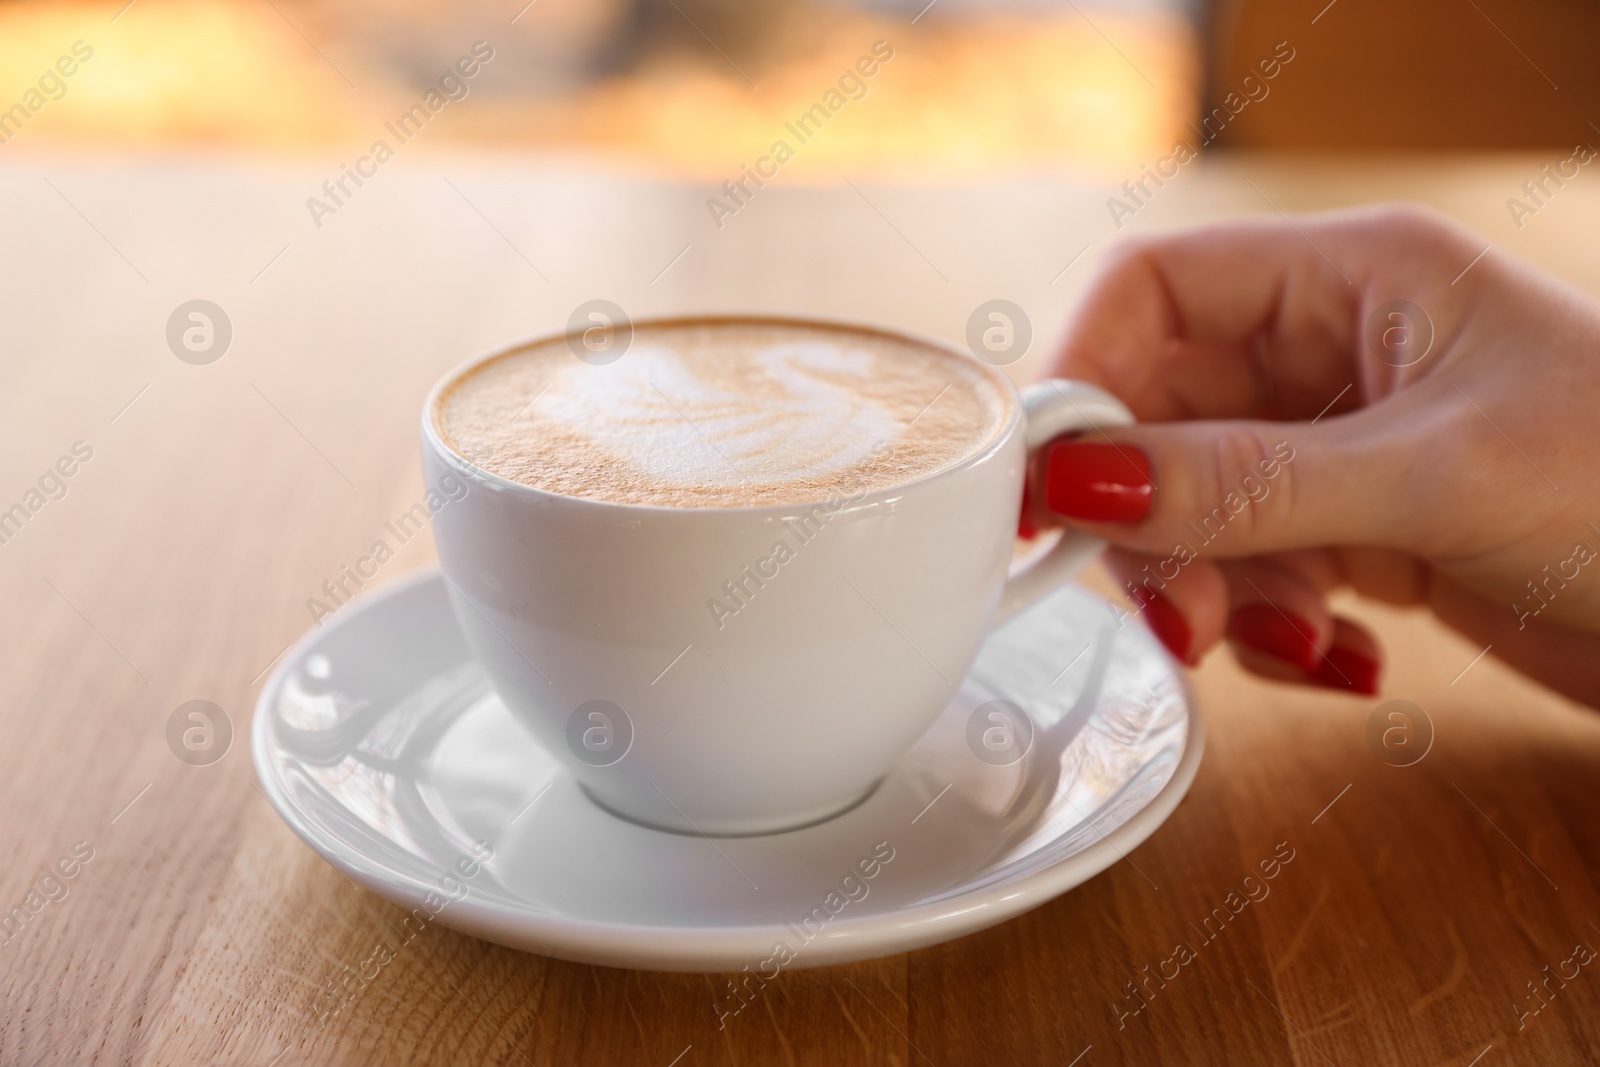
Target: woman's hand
column 1301, row 430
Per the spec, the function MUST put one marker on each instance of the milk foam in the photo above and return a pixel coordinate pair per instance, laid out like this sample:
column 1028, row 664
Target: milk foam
column 724, row 414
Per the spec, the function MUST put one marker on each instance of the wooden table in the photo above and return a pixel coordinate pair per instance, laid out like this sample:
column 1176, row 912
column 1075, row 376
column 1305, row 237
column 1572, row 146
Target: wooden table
column 1421, row 900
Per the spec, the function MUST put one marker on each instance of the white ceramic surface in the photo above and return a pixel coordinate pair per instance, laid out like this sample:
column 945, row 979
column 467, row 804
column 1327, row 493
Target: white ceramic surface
column 595, row 621
column 382, row 744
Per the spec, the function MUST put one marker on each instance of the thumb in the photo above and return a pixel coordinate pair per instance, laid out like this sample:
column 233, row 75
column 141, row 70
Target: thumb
column 1227, row 488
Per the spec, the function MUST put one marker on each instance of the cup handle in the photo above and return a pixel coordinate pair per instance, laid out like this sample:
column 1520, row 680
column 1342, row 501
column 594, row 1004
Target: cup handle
column 1053, row 408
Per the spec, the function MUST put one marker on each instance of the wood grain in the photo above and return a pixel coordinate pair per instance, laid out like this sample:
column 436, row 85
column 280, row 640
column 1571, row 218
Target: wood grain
column 1419, row 901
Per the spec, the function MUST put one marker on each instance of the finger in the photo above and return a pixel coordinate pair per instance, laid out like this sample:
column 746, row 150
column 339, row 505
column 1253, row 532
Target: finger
column 1392, row 577
column 1318, row 567
column 1272, row 614
column 1562, row 657
column 1385, row 575
column 1280, row 625
column 1261, row 318
column 1233, row 489
column 1352, row 663
column 1276, row 613
column 1186, row 608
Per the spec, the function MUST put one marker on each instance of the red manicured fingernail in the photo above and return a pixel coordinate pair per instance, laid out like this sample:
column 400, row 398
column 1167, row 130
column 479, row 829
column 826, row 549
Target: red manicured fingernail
column 1168, row 624
column 1025, row 529
column 1098, row 482
column 1275, row 633
column 1347, row 669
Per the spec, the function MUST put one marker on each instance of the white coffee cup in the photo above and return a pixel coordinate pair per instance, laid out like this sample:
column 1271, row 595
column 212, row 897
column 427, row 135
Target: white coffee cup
column 591, row 620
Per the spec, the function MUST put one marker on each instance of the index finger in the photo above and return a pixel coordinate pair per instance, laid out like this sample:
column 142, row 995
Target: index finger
column 1253, row 319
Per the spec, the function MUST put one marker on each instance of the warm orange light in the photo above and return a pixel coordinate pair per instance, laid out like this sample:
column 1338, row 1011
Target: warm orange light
column 1003, row 92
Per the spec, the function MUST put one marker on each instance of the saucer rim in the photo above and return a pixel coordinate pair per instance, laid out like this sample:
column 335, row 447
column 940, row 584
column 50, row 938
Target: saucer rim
column 718, row 948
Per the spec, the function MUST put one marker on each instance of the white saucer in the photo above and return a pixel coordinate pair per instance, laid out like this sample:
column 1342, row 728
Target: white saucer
column 382, row 745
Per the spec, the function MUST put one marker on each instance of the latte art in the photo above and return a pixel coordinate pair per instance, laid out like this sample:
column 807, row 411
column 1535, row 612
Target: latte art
column 724, row 414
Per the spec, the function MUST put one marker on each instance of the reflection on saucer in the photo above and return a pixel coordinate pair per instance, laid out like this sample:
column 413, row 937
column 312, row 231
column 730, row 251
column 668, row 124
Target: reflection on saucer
column 383, row 745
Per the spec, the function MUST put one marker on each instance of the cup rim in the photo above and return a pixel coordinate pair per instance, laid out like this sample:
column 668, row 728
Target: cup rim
column 433, row 437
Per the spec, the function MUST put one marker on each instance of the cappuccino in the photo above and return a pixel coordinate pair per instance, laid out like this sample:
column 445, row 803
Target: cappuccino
column 725, row 413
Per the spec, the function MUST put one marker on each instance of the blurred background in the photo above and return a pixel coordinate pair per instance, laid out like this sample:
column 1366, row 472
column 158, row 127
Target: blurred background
column 690, row 88
column 159, row 153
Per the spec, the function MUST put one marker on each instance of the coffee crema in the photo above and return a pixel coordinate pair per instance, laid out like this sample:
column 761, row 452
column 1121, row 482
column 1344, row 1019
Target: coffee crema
column 724, row 413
